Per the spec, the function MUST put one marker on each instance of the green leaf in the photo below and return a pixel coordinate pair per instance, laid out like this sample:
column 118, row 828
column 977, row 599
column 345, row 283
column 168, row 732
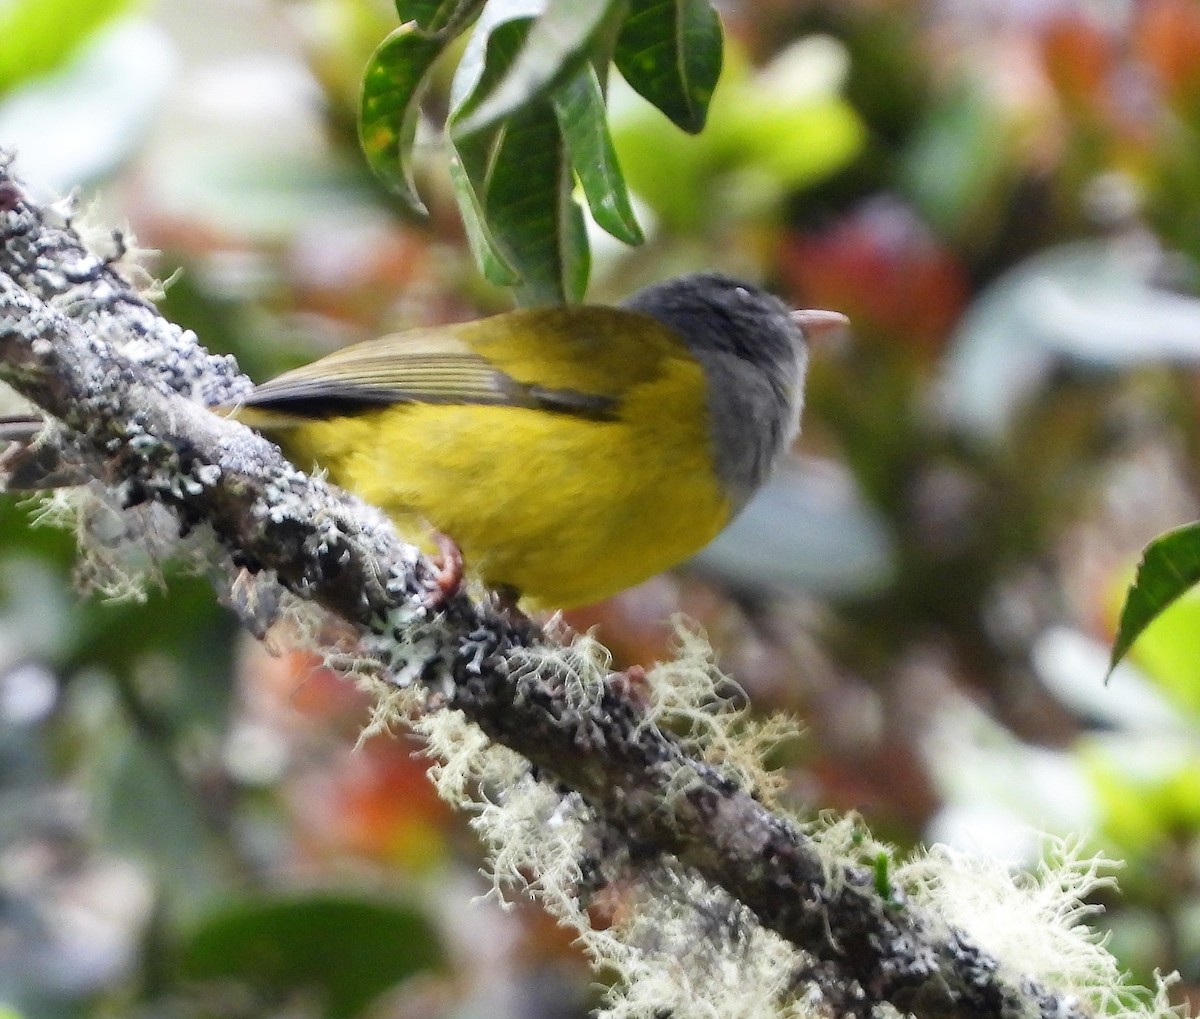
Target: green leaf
column 433, row 16
column 390, row 105
column 492, row 49
column 490, row 52
column 1170, row 566
column 346, row 950
column 560, row 40
column 529, row 209
column 670, row 53
column 513, row 182
column 393, row 82
column 1169, row 651
column 579, row 107
column 488, row 254
column 40, row 36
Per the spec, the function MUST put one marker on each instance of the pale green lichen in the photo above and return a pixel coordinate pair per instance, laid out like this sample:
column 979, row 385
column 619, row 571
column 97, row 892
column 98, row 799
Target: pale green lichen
column 1037, row 923
column 122, row 552
column 690, row 696
column 578, row 663
column 677, row 945
column 686, row 949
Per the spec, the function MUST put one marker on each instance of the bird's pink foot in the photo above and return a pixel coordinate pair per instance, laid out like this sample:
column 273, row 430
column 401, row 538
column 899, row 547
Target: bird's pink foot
column 448, row 576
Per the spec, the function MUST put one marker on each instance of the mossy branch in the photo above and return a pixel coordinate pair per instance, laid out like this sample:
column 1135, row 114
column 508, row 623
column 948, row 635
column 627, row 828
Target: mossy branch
column 78, row 340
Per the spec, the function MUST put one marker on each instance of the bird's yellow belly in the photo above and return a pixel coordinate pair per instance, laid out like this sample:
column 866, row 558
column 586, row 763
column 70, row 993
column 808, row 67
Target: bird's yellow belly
column 565, row 510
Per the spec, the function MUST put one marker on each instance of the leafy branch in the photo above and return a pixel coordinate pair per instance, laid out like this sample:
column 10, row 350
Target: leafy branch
column 528, row 120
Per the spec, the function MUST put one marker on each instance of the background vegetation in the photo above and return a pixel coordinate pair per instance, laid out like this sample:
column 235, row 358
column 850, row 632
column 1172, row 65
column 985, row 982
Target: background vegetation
column 1005, row 198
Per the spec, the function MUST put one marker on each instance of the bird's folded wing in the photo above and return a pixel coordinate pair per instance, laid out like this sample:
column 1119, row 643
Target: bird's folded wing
column 413, row 367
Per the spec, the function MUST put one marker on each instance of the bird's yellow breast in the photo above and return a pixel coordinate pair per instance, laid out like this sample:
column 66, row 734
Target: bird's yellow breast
column 565, row 509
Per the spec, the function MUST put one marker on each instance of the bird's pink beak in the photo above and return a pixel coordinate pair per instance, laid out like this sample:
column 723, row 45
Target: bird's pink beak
column 820, row 325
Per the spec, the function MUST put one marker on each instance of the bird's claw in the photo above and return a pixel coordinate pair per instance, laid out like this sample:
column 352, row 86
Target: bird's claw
column 448, row 576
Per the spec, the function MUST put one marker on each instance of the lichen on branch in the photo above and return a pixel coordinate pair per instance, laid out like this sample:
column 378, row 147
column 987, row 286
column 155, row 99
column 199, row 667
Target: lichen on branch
column 666, row 853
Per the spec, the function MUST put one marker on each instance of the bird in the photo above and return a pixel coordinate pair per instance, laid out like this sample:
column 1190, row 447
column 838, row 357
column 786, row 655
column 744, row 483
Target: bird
column 563, row 453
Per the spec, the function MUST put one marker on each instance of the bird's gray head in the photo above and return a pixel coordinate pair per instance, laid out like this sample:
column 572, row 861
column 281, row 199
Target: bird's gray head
column 753, row 351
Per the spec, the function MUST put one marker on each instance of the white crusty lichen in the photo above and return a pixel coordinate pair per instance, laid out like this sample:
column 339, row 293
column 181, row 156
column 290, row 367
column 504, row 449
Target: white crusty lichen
column 576, row 662
column 672, row 943
column 141, row 335
column 123, row 552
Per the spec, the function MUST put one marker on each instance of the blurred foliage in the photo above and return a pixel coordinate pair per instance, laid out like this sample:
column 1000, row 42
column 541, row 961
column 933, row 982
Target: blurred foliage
column 40, row 37
column 1005, row 198
column 770, row 132
column 95, row 73
column 339, row 950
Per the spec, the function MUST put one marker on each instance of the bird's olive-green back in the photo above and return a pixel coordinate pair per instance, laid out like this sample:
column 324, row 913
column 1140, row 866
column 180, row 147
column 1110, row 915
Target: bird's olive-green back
column 569, row 360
